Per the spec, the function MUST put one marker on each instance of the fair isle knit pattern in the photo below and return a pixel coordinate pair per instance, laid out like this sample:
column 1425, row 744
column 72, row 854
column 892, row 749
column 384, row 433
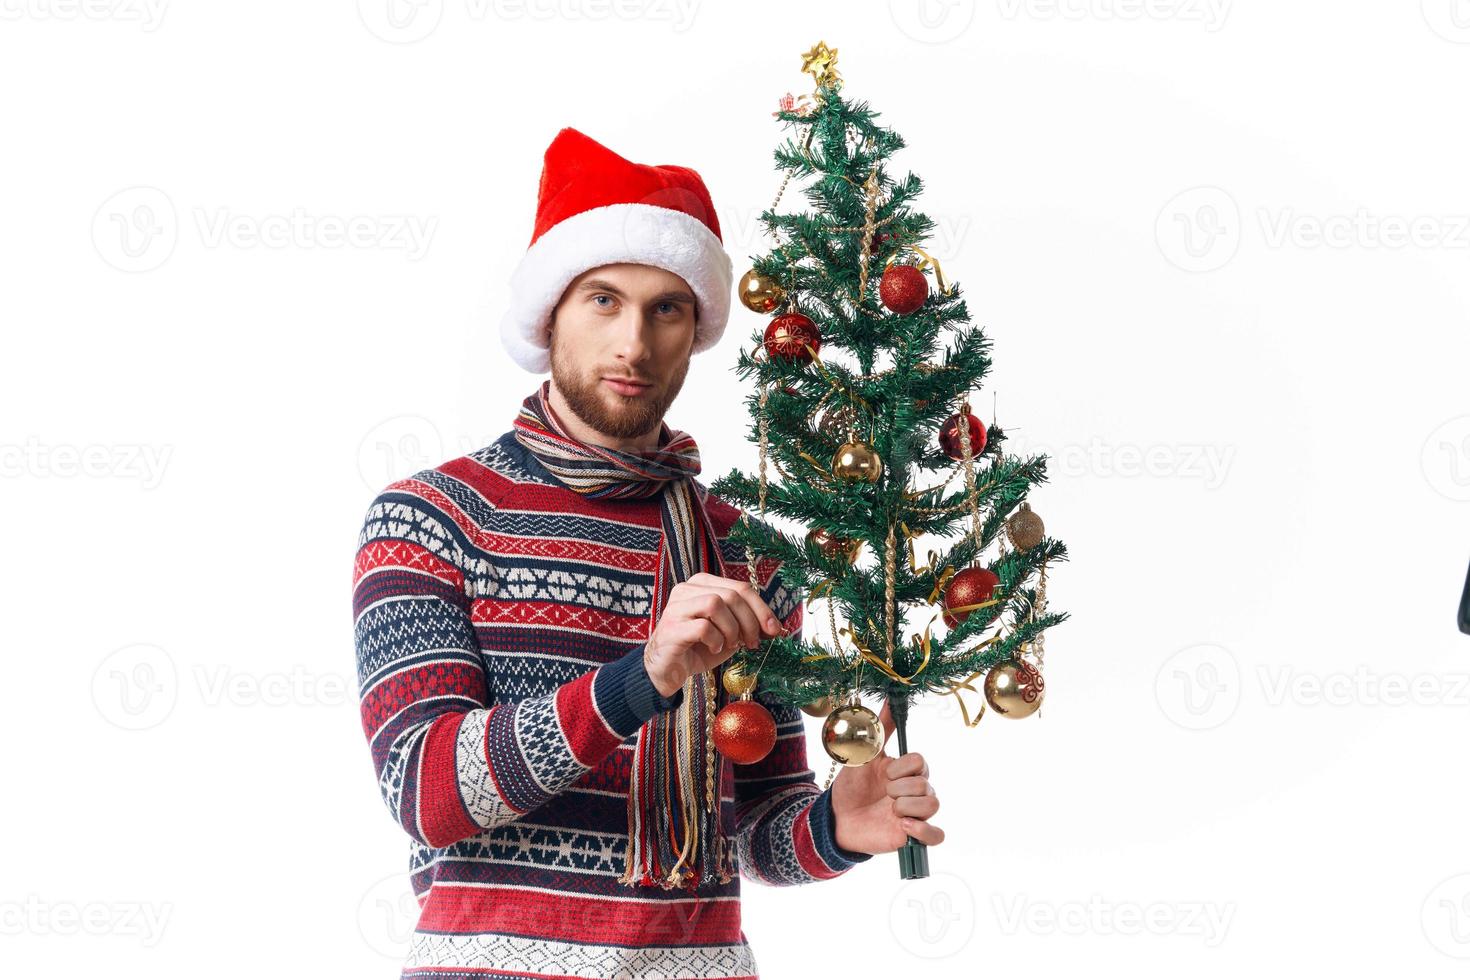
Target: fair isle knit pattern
column 499, row 620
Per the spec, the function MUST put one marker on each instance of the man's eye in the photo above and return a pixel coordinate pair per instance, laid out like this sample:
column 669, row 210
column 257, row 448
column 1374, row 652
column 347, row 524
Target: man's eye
column 668, row 308
column 602, row 296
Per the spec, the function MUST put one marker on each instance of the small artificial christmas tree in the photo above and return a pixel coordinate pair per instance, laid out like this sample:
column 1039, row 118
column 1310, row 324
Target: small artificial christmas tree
column 862, row 380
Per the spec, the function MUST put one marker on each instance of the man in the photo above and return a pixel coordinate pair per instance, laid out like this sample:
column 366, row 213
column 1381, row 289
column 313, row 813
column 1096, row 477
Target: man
column 540, row 627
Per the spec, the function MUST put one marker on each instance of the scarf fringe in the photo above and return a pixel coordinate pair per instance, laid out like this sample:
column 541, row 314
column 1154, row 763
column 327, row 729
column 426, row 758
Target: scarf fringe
column 675, row 837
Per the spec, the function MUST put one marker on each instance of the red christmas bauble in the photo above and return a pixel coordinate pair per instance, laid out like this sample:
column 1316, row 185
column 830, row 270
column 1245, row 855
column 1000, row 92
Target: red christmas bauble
column 967, row 587
column 949, row 436
column 789, row 335
column 745, row 732
column 903, row 288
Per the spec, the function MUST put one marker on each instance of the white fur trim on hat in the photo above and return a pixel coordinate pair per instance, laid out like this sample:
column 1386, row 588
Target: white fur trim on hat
column 645, row 234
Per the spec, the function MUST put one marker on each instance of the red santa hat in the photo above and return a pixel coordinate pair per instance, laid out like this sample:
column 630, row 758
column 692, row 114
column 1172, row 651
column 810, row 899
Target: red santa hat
column 595, row 208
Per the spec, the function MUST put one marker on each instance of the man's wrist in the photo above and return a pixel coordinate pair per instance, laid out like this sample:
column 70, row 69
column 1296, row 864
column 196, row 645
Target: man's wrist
column 663, row 685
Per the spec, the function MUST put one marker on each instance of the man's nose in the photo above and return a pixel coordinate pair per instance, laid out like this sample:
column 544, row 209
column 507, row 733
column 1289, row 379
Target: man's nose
column 632, row 342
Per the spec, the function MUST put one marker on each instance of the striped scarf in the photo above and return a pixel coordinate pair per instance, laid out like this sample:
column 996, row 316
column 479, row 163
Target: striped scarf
column 675, row 790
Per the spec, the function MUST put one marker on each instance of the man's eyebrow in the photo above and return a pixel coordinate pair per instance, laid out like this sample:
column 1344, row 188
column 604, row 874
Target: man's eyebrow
column 603, row 286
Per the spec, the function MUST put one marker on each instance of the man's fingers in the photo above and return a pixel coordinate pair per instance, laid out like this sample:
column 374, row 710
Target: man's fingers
column 922, row 831
column 707, row 606
column 758, row 607
column 714, row 609
column 908, row 764
column 700, row 632
column 922, row 807
column 702, row 583
column 909, row 786
column 750, row 626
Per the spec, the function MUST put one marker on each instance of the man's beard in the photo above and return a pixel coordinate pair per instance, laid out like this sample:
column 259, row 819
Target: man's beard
column 588, row 399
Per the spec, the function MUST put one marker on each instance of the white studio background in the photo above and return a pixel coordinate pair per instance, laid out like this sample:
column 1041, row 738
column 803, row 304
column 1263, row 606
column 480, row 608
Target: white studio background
column 1221, row 248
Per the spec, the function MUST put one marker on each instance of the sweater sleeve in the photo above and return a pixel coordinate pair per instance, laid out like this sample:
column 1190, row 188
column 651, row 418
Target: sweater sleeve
column 450, row 765
column 786, row 832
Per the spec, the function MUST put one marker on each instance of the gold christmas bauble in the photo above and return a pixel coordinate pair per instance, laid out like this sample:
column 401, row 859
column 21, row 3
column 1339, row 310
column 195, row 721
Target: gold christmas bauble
column 1014, row 689
column 1024, row 528
column 737, row 682
column 857, row 461
column 853, row 735
column 820, row 708
column 759, row 293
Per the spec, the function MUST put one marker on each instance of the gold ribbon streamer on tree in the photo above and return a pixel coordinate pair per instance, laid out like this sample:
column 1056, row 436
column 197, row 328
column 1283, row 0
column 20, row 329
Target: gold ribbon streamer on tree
column 938, row 590
column 878, row 661
column 918, row 569
column 968, row 684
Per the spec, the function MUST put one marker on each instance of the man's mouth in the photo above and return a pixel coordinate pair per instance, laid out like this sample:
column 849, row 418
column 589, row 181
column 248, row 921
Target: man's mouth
column 626, row 386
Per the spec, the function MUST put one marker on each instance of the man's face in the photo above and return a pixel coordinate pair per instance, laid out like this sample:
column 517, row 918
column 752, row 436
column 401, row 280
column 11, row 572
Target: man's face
column 621, row 336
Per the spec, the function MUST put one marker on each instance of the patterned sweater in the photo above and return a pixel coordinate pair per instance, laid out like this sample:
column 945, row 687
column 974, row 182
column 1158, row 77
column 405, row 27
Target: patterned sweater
column 500, row 620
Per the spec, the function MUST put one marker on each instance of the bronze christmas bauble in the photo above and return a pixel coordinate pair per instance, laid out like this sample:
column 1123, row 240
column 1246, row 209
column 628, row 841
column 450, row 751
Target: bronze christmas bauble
column 789, row 336
column 967, row 587
column 1014, row 688
column 838, row 422
column 820, row 708
column 1024, row 528
column 759, row 293
column 736, row 680
column 856, row 461
column 830, row 544
column 745, row 732
column 853, row 735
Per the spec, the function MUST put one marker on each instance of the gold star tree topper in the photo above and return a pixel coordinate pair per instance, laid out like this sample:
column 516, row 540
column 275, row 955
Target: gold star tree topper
column 821, row 63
